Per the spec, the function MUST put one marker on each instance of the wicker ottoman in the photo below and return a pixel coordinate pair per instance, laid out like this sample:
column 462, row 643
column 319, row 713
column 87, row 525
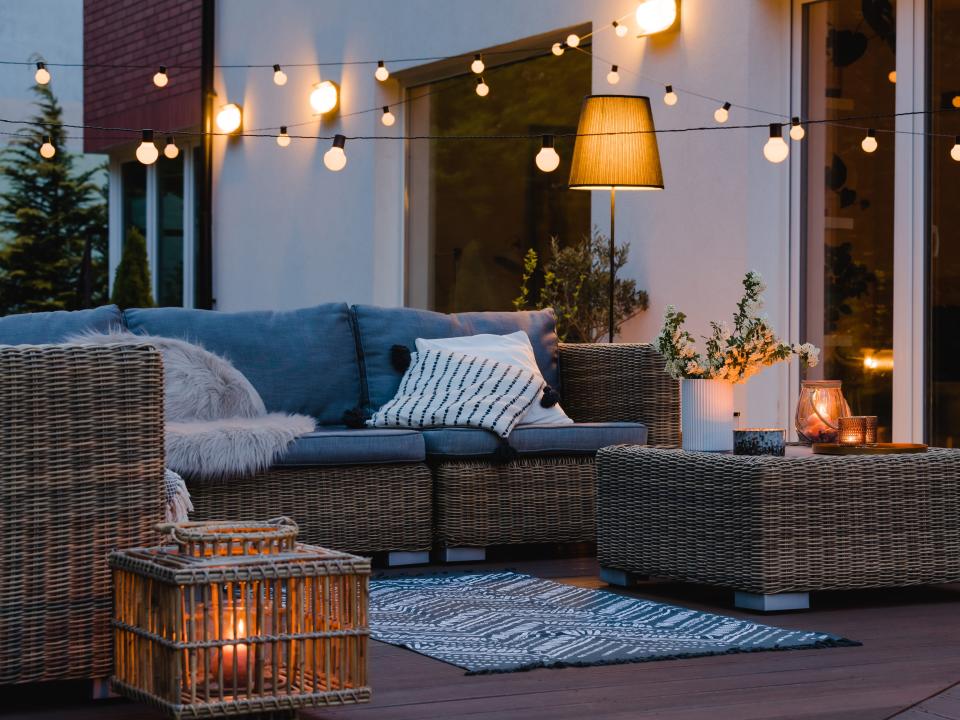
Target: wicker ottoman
column 776, row 528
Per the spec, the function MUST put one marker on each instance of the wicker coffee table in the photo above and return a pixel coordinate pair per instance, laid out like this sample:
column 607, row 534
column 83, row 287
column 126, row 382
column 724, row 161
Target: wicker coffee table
column 776, row 528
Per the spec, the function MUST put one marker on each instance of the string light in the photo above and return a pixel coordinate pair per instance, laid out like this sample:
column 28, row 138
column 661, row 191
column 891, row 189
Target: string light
column 477, row 65
column 147, row 152
column 47, row 150
column 325, row 97
column 547, row 159
column 722, row 113
column 42, row 75
column 283, row 139
column 170, row 150
column 776, row 149
column 229, row 118
column 573, row 40
column 797, row 133
column 557, row 49
column 381, row 73
column 869, row 143
column 955, row 150
column 669, row 96
column 655, row 16
column 160, row 78
column 482, row 88
column 279, row 76
column 892, row 76
column 620, row 29
column 335, row 158
column 388, row 117
column 613, row 77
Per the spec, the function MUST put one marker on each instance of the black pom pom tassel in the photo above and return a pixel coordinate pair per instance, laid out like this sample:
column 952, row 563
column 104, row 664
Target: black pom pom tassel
column 504, row 453
column 400, row 357
column 550, row 397
column 355, row 418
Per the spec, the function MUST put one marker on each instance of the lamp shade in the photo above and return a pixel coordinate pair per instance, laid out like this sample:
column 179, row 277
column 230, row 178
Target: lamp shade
column 616, row 145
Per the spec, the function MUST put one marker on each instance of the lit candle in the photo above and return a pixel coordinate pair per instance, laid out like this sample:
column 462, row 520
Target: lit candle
column 853, row 430
column 234, row 656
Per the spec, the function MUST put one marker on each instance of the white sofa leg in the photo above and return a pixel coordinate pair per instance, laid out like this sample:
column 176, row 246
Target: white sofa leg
column 464, row 554
column 398, row 558
column 101, row 690
column 621, row 578
column 772, row 603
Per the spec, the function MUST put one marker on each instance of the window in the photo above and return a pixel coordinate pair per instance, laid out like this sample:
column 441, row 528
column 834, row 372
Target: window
column 169, row 254
column 477, row 207
column 134, row 211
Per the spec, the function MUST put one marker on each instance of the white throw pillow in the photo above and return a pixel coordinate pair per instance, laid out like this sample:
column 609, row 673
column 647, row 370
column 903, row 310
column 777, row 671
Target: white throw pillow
column 512, row 349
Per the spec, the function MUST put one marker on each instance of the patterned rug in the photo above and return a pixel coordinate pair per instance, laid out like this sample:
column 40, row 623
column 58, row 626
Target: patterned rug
column 506, row 622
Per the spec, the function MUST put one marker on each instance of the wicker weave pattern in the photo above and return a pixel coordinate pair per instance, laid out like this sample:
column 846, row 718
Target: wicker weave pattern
column 770, row 525
column 621, row 382
column 529, row 500
column 81, row 473
column 363, row 508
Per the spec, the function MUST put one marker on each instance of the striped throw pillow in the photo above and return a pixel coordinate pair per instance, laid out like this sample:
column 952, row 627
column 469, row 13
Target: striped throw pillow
column 448, row 389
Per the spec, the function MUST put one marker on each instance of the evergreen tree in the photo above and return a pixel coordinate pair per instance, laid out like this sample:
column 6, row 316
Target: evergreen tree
column 53, row 222
column 131, row 285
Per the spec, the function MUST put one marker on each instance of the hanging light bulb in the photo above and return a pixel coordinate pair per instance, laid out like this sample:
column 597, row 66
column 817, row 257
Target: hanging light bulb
column 669, row 96
column 279, row 76
column 547, row 159
column 42, row 75
column 620, row 29
column 388, row 118
column 955, row 150
column 160, row 78
column 722, row 113
column 797, row 132
column 47, row 150
column 869, row 143
column 229, row 118
column 334, row 158
column 776, row 149
column 655, row 16
column 147, row 152
column 325, row 97
column 573, row 40
column 283, row 139
column 381, row 73
column 613, row 77
column 170, row 150
column 477, row 65
column 557, row 49
column 482, row 88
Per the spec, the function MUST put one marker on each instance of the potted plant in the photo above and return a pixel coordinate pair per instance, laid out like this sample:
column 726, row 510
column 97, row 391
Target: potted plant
column 730, row 356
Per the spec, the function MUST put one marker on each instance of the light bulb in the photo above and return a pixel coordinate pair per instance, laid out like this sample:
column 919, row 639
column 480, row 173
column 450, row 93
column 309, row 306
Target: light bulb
column 669, row 96
column 482, row 88
column 797, row 132
column 547, row 159
column 613, row 77
column 388, row 118
column 47, row 150
column 160, row 78
column 147, row 152
column 573, row 40
column 955, row 150
column 381, row 73
column 655, row 16
column 279, row 76
column 170, row 150
column 892, row 76
column 335, row 158
column 956, row 101
column 620, row 29
column 477, row 65
column 229, row 118
column 776, row 149
column 283, row 139
column 722, row 113
column 325, row 96
column 42, row 75
column 557, row 49
column 869, row 143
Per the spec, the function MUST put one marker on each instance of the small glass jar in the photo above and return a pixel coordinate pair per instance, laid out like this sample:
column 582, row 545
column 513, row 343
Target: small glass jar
column 819, row 409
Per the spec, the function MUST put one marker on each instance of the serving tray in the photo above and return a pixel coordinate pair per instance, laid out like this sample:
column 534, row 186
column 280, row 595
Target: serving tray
column 878, row 449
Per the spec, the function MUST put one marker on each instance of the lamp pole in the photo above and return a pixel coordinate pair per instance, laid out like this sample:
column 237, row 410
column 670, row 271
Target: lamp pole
column 613, row 214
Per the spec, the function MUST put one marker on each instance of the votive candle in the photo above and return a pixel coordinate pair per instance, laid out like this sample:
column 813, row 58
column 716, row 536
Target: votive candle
column 853, row 430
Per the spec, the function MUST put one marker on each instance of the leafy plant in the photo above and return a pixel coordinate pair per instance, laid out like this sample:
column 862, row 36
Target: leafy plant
column 131, row 285
column 576, row 284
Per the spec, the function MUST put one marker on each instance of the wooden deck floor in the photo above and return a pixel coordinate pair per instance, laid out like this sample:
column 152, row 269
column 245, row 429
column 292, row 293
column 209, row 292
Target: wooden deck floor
column 910, row 652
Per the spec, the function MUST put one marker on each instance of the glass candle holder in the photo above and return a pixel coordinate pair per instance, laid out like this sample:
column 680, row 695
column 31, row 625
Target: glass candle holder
column 853, row 430
column 759, row 441
column 819, row 409
column 871, row 438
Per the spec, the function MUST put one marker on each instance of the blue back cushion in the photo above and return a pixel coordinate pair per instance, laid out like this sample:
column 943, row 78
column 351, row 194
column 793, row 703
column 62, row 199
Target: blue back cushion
column 43, row 328
column 381, row 328
column 302, row 361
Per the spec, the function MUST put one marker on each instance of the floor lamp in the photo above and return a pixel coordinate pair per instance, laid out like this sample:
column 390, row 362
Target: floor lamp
column 616, row 149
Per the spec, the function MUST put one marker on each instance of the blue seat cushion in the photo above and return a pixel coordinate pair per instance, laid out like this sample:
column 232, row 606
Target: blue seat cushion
column 379, row 329
column 44, row 328
column 300, row 361
column 577, row 439
column 344, row 446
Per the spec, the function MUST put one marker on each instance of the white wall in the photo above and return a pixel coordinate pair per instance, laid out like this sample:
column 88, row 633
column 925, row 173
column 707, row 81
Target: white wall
column 288, row 233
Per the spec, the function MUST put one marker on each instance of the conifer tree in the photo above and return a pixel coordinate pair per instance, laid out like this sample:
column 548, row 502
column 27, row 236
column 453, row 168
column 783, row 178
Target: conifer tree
column 131, row 285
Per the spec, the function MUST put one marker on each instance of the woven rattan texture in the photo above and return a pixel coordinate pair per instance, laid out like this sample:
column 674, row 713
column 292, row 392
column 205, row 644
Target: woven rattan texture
column 362, row 508
column 621, row 382
column 771, row 524
column 81, row 473
column 532, row 500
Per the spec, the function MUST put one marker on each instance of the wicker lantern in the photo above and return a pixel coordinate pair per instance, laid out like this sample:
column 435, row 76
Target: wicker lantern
column 238, row 619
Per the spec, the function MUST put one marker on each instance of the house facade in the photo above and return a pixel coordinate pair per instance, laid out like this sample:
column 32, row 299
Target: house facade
column 860, row 250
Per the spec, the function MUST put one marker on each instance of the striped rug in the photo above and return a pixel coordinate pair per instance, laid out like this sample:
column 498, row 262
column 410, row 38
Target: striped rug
column 507, row 621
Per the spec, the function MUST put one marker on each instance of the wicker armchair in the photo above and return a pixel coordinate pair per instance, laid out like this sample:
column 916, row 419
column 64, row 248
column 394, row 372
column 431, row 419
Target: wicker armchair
column 81, row 473
column 553, row 499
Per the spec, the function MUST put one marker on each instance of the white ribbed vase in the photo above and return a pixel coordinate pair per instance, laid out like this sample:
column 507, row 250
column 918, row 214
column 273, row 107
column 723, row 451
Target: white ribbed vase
column 706, row 411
